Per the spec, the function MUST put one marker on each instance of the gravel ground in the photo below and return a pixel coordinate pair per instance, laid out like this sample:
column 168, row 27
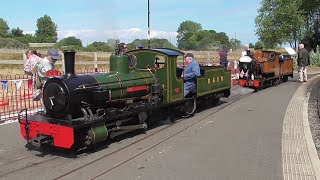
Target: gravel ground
column 314, row 119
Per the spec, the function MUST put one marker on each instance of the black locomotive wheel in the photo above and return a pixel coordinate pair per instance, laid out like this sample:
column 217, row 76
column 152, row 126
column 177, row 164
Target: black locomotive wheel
column 215, row 101
column 269, row 83
column 205, row 102
column 171, row 116
column 285, row 78
column 261, row 86
column 190, row 107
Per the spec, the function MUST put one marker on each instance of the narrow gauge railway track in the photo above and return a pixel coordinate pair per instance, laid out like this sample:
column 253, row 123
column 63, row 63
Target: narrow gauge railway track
column 28, row 166
column 15, row 160
column 220, row 107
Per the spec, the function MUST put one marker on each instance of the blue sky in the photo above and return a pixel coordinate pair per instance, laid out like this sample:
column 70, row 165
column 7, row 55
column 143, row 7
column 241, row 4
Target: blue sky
column 99, row 20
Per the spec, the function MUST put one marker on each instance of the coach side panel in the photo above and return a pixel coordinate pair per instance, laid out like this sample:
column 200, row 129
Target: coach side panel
column 213, row 80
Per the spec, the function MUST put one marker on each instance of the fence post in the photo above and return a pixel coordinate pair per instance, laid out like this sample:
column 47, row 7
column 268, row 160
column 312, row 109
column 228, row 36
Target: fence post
column 24, row 56
column 95, row 62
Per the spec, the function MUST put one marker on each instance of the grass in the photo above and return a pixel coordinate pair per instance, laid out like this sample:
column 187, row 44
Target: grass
column 11, row 56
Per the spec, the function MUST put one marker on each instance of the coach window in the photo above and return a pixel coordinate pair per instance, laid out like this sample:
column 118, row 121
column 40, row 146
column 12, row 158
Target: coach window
column 271, row 56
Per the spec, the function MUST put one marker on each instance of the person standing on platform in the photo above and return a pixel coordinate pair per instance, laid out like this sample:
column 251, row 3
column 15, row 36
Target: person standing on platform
column 223, row 53
column 303, row 61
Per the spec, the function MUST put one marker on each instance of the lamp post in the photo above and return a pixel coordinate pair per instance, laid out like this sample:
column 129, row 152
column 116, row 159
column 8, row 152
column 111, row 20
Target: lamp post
column 148, row 24
column 235, row 44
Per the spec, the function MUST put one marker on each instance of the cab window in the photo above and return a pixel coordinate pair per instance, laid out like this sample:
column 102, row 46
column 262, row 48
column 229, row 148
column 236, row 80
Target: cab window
column 159, row 61
column 132, row 61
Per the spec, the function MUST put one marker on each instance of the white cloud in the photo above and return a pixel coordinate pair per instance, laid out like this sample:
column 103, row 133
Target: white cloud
column 125, row 35
column 68, row 33
column 28, row 32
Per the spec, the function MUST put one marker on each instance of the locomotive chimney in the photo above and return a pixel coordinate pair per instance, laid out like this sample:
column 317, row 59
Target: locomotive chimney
column 69, row 63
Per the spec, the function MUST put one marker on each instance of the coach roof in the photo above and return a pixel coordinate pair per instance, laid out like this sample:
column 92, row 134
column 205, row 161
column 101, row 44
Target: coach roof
column 168, row 52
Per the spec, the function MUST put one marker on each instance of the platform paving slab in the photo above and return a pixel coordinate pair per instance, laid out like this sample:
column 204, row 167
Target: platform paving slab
column 299, row 156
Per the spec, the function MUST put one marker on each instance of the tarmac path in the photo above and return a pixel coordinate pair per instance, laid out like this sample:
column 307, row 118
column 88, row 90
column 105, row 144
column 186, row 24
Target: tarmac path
column 239, row 139
column 242, row 142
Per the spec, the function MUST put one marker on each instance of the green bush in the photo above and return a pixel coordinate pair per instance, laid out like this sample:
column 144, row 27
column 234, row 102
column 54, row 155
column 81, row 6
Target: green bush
column 11, row 43
column 70, row 47
column 315, row 57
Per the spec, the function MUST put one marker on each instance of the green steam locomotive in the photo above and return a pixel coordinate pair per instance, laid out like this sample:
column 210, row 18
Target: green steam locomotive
column 82, row 110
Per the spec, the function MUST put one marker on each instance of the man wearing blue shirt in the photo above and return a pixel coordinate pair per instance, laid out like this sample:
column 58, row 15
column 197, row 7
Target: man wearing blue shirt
column 191, row 71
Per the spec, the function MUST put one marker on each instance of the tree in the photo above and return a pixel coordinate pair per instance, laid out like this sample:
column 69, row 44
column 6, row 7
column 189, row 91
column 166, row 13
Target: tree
column 70, row 41
column 17, row 32
column 113, row 43
column 99, row 46
column 259, row 45
column 195, row 40
column 251, row 45
column 4, row 28
column 154, row 43
column 11, row 43
column 311, row 30
column 204, row 40
column 278, row 21
column 47, row 30
column 223, row 38
column 235, row 43
column 185, row 30
column 26, row 38
column 191, row 36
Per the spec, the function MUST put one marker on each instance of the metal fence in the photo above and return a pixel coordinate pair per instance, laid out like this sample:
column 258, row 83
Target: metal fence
column 16, row 94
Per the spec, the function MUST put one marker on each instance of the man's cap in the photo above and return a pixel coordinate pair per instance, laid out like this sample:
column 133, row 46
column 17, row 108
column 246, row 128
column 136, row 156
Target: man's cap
column 139, row 46
column 189, row 55
column 53, row 53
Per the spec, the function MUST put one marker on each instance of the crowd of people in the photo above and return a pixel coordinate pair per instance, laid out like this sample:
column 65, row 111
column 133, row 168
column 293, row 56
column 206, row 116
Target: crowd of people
column 38, row 67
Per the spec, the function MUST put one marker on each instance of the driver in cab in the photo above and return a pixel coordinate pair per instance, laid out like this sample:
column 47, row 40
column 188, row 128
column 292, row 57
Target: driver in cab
column 191, row 71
